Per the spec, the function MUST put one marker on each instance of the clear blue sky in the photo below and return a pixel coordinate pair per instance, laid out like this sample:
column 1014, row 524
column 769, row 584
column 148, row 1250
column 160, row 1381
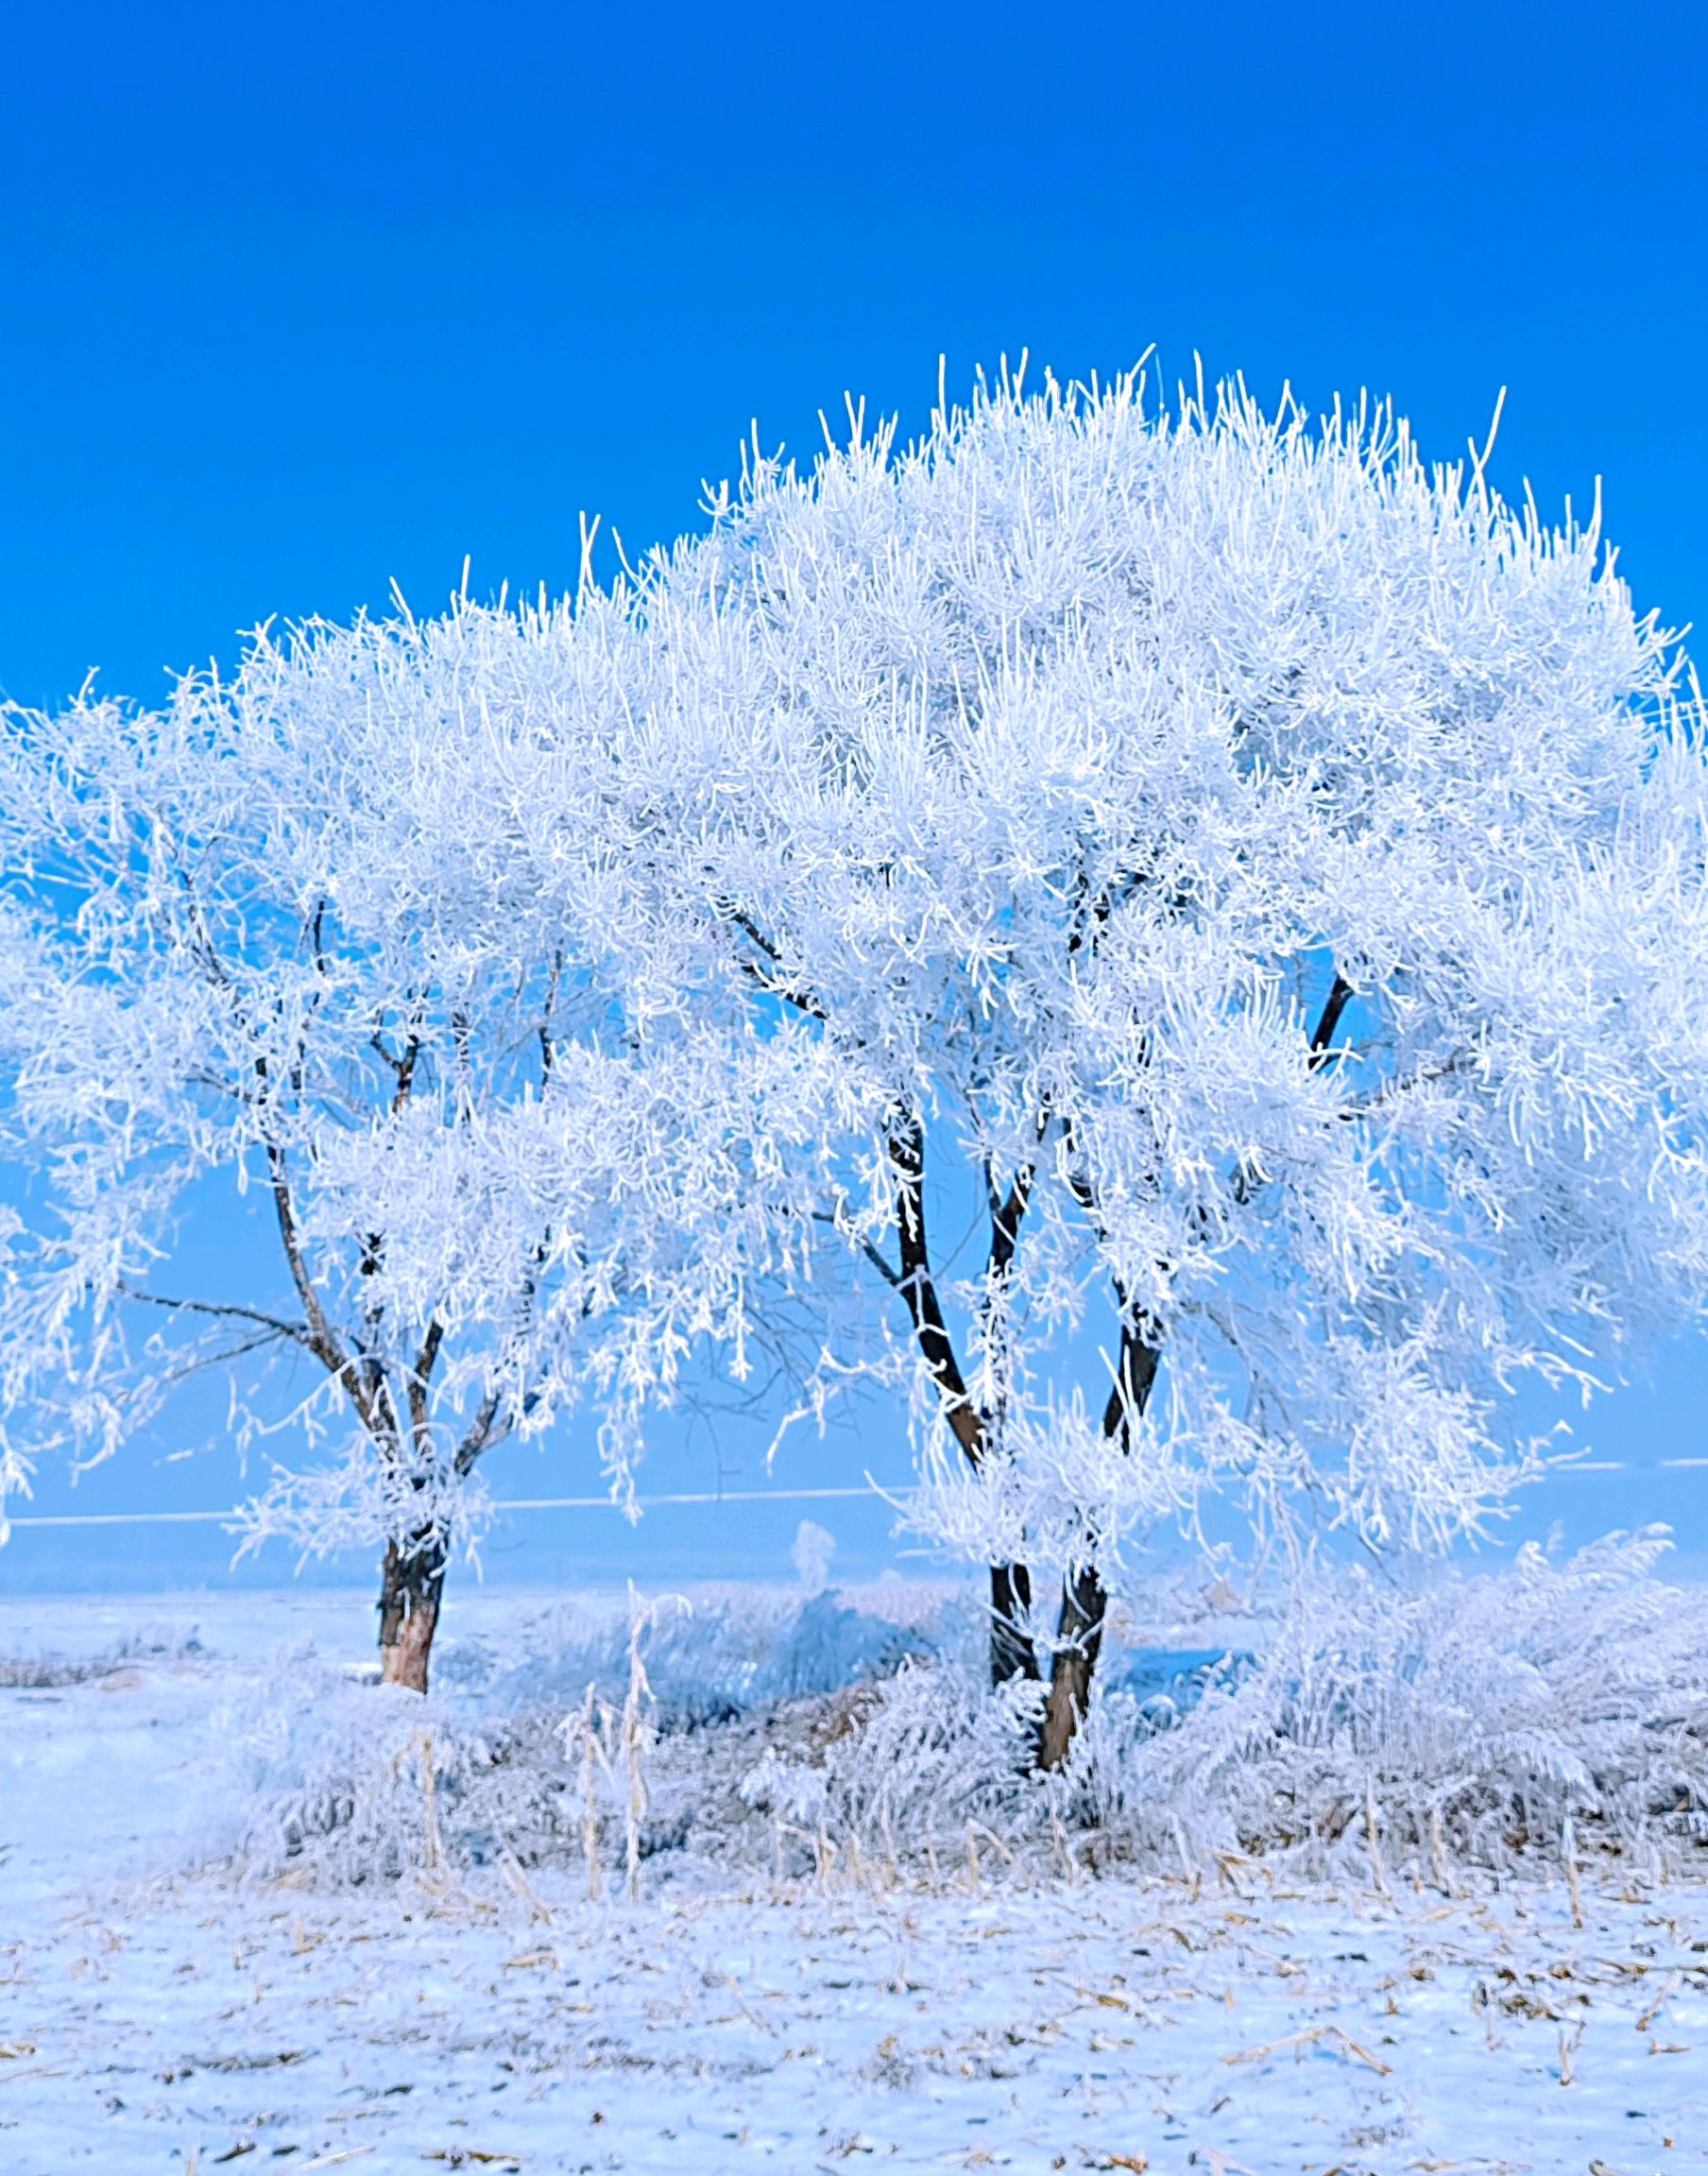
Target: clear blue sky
column 298, row 300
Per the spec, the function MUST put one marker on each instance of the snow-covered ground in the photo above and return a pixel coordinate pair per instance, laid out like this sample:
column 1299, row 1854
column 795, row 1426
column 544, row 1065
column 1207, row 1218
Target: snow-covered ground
column 152, row 2019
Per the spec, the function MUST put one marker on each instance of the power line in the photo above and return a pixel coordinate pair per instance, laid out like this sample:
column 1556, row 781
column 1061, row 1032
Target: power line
column 64, row 1519
column 512, row 1504
column 1629, row 1465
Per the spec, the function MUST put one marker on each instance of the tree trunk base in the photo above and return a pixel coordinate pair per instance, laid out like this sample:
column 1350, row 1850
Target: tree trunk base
column 411, row 1584
column 1083, row 1603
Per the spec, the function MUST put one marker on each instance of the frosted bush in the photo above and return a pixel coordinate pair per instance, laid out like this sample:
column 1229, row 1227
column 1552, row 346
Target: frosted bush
column 736, row 1651
column 1471, row 1718
column 345, row 1783
column 39, row 1670
column 1367, row 1727
column 341, row 1783
column 1477, row 1716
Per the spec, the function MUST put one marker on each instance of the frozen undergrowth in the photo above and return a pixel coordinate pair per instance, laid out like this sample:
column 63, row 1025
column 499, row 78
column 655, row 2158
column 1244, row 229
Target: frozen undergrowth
column 1366, row 1728
column 1472, row 1717
column 37, row 1670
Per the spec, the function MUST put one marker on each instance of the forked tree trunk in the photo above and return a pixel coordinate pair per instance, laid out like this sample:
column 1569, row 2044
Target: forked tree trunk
column 1011, row 1649
column 411, row 1584
column 1083, row 1601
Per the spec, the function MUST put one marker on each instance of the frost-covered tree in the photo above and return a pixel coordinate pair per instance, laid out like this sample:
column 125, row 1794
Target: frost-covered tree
column 255, row 942
column 1256, row 876
column 1274, row 869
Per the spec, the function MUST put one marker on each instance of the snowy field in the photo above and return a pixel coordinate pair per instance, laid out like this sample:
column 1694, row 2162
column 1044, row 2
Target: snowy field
column 156, row 2014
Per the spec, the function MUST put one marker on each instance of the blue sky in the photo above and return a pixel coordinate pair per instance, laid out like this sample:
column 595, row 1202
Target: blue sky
column 299, row 302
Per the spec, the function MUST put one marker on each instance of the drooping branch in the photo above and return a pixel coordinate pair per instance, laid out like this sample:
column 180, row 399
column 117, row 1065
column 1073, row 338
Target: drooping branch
column 226, row 1356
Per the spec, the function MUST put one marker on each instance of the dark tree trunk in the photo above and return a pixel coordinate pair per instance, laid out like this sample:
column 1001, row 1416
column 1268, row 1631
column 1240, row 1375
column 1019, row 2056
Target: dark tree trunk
column 411, row 1584
column 1080, row 1638
column 1010, row 1649
column 1081, row 1641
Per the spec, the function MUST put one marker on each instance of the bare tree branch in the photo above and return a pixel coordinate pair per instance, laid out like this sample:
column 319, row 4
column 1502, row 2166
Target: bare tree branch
column 791, row 992
column 296, row 1331
column 199, row 1363
column 1322, row 1034
column 918, row 1287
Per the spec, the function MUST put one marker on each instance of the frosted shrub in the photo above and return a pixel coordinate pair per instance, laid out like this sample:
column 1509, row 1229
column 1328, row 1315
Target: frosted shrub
column 906, row 1765
column 1368, row 1728
column 1464, row 1720
column 1470, row 1716
column 338, row 1783
column 739, row 1651
column 345, row 1784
